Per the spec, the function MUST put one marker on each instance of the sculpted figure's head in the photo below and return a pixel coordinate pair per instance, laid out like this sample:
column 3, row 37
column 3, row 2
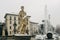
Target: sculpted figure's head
column 22, row 7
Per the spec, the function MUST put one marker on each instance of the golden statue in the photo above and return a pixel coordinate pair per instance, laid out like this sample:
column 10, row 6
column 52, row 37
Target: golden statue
column 23, row 21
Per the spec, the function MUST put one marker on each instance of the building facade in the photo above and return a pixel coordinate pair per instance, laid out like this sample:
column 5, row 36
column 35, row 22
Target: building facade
column 9, row 20
column 34, row 28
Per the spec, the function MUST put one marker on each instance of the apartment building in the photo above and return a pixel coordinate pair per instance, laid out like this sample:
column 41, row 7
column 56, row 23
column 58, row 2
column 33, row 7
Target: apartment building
column 10, row 19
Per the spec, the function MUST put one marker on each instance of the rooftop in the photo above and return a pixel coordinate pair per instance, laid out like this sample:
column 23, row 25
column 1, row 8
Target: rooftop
column 10, row 14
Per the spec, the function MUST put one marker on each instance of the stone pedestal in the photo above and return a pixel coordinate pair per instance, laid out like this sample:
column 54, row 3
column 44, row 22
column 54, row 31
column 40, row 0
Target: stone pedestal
column 23, row 37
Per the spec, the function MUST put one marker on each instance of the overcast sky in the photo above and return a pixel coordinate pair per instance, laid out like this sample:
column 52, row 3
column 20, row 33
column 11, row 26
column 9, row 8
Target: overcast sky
column 34, row 8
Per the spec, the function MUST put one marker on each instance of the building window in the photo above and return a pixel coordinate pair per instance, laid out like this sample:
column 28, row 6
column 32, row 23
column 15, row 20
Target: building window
column 10, row 27
column 42, row 26
column 10, row 32
column 10, row 21
column 14, row 18
column 14, row 21
column 10, row 17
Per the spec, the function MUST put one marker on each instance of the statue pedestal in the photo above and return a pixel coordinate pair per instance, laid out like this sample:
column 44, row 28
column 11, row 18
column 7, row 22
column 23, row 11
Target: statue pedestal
column 22, row 37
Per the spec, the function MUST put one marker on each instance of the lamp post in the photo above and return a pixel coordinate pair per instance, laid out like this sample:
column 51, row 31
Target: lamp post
column 14, row 27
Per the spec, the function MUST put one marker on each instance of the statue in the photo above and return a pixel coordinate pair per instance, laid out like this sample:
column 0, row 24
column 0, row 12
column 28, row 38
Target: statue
column 23, row 21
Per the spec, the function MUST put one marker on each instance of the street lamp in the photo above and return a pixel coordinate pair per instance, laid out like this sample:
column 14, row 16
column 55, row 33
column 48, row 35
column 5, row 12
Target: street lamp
column 14, row 27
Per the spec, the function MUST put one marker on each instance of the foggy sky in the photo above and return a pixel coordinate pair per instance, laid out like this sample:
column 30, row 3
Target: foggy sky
column 34, row 8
